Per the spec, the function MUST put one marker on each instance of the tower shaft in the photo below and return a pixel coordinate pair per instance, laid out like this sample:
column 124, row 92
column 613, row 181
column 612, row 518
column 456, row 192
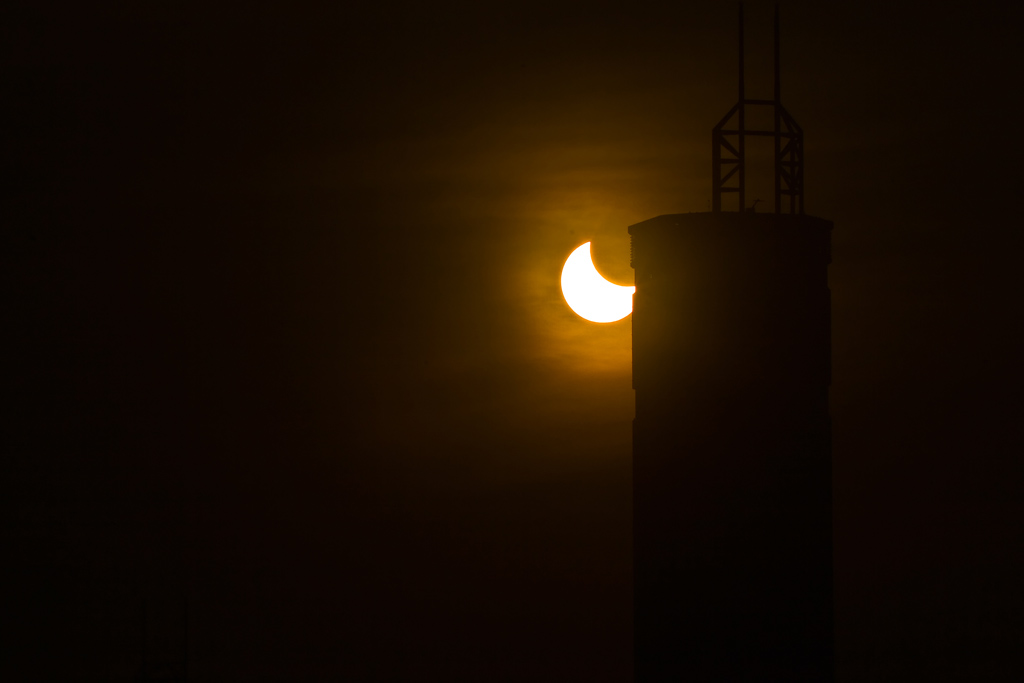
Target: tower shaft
column 732, row 448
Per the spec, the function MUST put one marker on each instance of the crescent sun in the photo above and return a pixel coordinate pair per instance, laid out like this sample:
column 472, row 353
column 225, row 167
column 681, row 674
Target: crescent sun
column 588, row 294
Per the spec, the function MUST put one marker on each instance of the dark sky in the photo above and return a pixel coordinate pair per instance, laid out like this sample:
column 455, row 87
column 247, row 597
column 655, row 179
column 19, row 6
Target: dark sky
column 285, row 334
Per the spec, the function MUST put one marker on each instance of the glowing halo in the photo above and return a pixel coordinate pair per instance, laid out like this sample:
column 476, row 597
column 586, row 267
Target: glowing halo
column 588, row 294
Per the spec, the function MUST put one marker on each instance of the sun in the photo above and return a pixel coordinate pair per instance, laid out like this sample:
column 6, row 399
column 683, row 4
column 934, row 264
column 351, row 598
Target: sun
column 588, row 294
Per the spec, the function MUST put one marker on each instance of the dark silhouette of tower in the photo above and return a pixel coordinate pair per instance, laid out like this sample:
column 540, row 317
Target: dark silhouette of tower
column 731, row 441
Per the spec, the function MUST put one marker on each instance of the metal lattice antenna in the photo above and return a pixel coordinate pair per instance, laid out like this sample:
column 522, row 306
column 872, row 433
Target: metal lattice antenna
column 729, row 158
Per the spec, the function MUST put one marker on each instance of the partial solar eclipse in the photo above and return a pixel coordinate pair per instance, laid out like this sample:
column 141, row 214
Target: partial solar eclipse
column 588, row 294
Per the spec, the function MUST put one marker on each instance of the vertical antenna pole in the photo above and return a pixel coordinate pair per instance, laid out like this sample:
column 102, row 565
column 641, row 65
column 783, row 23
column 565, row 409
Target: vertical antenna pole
column 145, row 635
column 184, row 653
column 742, row 124
column 798, row 196
column 778, row 86
column 716, row 170
column 778, row 121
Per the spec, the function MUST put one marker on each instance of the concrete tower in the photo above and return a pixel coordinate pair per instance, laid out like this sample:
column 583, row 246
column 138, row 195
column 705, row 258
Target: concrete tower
column 732, row 475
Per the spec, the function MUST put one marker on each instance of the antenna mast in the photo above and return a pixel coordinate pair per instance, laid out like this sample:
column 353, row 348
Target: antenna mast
column 729, row 159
